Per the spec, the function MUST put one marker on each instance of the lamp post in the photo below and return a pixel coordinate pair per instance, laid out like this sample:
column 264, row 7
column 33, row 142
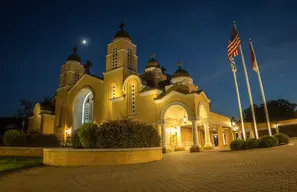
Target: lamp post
column 276, row 128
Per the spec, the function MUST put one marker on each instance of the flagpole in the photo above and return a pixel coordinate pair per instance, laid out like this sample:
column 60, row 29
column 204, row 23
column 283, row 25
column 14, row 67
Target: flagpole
column 239, row 102
column 249, row 88
column 262, row 89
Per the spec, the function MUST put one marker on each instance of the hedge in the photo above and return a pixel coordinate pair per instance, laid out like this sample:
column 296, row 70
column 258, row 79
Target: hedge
column 264, row 142
column 117, row 134
column 268, row 141
column 283, row 139
column 237, row 145
column 17, row 138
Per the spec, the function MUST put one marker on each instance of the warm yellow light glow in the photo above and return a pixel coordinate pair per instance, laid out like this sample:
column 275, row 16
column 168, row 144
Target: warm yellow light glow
column 233, row 123
column 185, row 119
column 68, row 131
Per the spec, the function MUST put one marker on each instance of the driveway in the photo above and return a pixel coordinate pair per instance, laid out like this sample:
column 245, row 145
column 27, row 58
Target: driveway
column 272, row 169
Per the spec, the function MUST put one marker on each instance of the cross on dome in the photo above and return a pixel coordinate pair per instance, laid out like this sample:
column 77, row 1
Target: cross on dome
column 153, row 56
column 75, row 49
column 179, row 63
column 122, row 26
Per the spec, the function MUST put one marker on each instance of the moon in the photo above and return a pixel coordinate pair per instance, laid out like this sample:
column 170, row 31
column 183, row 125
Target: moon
column 84, row 41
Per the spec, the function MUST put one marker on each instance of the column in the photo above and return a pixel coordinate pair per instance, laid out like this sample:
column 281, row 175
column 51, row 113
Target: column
column 194, row 133
column 195, row 147
column 163, row 137
column 208, row 144
column 179, row 139
column 252, row 135
column 220, row 137
column 229, row 136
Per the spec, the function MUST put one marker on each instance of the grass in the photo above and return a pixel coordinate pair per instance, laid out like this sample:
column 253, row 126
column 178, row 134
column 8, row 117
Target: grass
column 12, row 163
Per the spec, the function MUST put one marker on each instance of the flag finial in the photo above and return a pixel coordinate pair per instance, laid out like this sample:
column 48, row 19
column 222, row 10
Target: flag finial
column 250, row 39
column 234, row 22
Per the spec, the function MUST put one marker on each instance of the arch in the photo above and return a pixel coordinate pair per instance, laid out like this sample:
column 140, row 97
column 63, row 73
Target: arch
column 83, row 107
column 137, row 78
column 202, row 111
column 176, row 103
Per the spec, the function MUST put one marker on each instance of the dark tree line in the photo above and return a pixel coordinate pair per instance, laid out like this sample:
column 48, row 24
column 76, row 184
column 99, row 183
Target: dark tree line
column 279, row 109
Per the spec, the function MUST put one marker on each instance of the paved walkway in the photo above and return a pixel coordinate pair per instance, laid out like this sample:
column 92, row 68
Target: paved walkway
column 269, row 170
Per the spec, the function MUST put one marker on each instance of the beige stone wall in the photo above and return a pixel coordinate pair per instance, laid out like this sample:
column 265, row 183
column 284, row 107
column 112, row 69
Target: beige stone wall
column 21, row 151
column 95, row 157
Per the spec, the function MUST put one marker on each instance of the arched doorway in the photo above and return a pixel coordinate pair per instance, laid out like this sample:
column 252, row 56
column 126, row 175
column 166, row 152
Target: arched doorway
column 83, row 108
column 178, row 128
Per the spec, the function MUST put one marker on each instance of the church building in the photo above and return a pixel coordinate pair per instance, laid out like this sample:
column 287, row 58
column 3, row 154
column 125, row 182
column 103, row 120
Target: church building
column 173, row 103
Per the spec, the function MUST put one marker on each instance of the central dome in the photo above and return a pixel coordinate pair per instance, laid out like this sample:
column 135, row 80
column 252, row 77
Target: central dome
column 152, row 63
column 122, row 33
column 181, row 73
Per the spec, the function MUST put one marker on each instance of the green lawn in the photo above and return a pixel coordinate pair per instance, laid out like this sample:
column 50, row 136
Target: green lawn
column 10, row 163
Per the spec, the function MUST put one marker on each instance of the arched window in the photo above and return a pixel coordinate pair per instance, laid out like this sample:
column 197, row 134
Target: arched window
column 114, row 58
column 113, row 91
column 64, row 76
column 129, row 58
column 132, row 99
column 87, row 108
column 76, row 76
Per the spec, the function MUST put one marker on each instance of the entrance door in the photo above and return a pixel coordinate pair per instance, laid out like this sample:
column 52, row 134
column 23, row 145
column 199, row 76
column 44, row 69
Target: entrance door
column 215, row 140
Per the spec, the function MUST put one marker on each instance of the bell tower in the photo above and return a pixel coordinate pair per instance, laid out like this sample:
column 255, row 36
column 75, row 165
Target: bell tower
column 121, row 52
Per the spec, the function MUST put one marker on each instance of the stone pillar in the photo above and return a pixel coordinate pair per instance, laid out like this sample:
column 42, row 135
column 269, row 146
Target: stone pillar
column 252, row 135
column 179, row 139
column 208, row 144
column 164, row 138
column 220, row 137
column 229, row 136
column 195, row 147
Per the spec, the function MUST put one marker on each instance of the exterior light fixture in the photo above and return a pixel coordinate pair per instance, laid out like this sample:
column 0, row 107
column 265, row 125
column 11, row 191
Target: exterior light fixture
column 185, row 119
column 68, row 131
column 233, row 123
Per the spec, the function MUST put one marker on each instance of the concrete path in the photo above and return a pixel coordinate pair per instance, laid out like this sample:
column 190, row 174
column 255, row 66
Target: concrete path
column 272, row 169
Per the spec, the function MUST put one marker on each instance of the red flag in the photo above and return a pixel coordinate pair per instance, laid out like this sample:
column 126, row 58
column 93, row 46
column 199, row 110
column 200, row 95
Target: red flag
column 253, row 57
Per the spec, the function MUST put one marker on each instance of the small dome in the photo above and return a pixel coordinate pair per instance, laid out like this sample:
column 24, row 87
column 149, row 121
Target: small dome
column 74, row 56
column 122, row 33
column 152, row 63
column 181, row 73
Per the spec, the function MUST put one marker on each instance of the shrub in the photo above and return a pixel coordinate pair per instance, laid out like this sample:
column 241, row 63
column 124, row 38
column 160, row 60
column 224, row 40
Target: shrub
column 237, row 145
column 87, row 135
column 75, row 140
column 13, row 138
column 251, row 143
column 283, row 139
column 268, row 141
column 40, row 140
column 127, row 134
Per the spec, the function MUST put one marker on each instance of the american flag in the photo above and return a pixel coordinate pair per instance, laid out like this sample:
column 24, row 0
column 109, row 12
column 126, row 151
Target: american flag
column 233, row 44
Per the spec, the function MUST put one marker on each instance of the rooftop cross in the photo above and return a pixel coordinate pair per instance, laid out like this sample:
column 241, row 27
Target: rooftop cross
column 74, row 49
column 153, row 56
column 179, row 63
column 122, row 26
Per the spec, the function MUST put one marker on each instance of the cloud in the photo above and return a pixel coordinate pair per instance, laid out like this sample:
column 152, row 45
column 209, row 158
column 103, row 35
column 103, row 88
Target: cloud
column 283, row 39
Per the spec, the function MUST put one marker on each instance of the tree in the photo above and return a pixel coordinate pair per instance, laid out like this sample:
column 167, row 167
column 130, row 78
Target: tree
column 279, row 109
column 26, row 109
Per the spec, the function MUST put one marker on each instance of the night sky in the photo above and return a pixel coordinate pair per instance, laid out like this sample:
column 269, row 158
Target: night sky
column 36, row 38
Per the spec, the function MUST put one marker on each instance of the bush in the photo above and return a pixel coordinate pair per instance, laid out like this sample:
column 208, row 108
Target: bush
column 251, row 143
column 40, row 140
column 237, row 145
column 16, row 138
column 268, row 141
column 13, row 138
column 75, row 140
column 87, row 135
column 283, row 139
column 127, row 134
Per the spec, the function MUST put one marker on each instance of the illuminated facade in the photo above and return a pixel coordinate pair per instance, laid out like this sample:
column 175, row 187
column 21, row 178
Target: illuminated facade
column 178, row 108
